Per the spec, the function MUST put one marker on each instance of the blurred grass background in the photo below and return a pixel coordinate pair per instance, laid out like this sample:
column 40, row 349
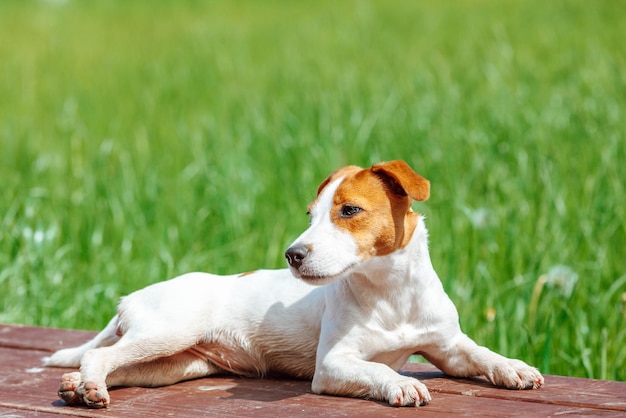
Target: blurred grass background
column 141, row 140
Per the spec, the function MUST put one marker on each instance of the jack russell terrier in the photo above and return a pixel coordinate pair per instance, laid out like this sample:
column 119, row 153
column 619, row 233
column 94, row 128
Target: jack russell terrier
column 368, row 298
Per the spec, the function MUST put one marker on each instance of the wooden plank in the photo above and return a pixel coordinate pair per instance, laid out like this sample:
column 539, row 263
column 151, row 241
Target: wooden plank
column 27, row 389
column 558, row 390
column 33, row 389
column 45, row 339
column 21, row 413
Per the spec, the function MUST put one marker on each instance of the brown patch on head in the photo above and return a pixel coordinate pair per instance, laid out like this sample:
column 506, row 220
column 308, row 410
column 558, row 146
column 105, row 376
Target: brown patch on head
column 374, row 205
column 343, row 171
column 335, row 175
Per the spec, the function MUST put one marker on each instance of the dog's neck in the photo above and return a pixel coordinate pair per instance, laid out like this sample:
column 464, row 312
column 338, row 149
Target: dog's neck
column 403, row 270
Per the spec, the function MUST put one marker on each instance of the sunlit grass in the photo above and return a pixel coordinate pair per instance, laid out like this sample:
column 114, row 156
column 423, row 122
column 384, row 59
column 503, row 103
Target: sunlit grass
column 140, row 140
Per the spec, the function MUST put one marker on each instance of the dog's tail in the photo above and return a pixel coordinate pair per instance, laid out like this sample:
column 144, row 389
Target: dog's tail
column 70, row 357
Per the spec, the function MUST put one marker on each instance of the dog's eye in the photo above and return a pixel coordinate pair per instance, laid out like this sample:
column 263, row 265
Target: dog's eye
column 348, row 211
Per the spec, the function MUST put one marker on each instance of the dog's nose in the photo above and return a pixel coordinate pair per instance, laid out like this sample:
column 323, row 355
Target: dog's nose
column 295, row 255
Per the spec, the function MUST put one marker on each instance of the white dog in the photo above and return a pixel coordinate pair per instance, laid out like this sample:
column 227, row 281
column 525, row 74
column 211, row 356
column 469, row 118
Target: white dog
column 381, row 301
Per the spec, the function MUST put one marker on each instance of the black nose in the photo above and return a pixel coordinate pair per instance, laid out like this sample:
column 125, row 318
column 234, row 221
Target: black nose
column 295, row 255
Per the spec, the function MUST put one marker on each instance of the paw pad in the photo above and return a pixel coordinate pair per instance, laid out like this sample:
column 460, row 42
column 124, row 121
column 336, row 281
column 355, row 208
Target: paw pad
column 92, row 396
column 67, row 388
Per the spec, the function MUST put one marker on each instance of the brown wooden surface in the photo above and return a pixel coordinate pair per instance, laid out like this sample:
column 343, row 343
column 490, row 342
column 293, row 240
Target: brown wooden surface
column 28, row 389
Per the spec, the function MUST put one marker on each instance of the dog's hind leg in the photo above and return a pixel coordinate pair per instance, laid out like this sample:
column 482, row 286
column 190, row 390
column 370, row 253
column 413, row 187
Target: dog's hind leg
column 465, row 358
column 159, row 372
column 99, row 363
column 163, row 371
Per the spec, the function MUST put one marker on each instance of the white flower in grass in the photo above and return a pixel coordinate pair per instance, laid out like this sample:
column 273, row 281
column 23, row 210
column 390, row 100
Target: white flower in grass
column 562, row 278
column 39, row 235
column 478, row 217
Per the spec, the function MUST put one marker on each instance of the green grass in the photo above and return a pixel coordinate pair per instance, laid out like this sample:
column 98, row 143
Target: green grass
column 140, row 140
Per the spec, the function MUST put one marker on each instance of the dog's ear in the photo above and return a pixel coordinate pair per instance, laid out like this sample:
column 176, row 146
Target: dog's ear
column 402, row 179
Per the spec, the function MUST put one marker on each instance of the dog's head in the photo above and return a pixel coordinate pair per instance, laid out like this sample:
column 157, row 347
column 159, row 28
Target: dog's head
column 358, row 214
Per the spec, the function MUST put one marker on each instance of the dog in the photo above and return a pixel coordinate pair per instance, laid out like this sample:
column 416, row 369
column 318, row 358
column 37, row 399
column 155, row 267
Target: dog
column 367, row 298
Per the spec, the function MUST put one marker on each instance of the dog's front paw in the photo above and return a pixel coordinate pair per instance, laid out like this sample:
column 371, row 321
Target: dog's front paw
column 515, row 374
column 67, row 388
column 94, row 395
column 407, row 391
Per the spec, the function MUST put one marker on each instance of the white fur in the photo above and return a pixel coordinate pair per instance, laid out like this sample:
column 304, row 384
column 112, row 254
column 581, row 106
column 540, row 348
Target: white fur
column 350, row 336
